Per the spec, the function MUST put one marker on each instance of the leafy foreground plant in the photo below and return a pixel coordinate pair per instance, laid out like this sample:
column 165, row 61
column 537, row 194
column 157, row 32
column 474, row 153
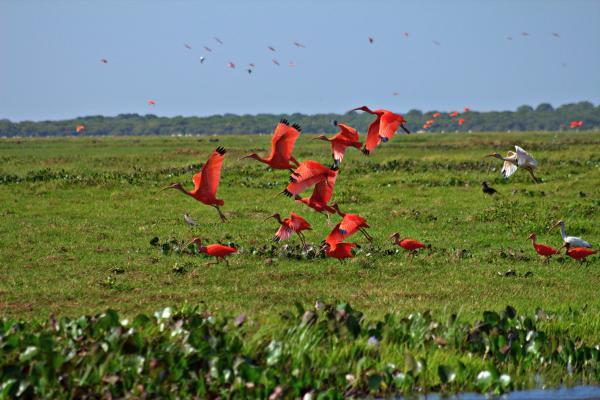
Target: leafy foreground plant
column 330, row 351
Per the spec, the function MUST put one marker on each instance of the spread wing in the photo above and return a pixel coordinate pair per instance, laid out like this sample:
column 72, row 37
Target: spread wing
column 389, row 124
column 509, row 167
column 284, row 139
column 206, row 181
column 338, row 149
column 348, row 133
column 524, row 158
column 351, row 223
column 306, row 175
column 335, row 236
column 298, row 223
column 373, row 138
column 324, row 190
column 283, row 233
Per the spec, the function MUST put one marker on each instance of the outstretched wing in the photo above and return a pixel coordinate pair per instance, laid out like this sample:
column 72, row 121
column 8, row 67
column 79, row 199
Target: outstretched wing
column 373, row 138
column 351, row 223
column 283, row 233
column 298, row 223
column 389, row 124
column 348, row 133
column 284, row 139
column 324, row 190
column 524, row 158
column 206, row 181
column 306, row 175
column 334, row 237
column 509, row 167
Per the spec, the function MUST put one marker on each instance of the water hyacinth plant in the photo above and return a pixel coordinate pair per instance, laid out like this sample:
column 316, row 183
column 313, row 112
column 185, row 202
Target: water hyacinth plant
column 328, row 350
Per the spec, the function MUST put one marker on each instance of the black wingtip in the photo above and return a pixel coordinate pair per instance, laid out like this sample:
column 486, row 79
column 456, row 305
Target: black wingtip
column 334, row 167
column 365, row 151
column 221, row 150
column 276, row 239
column 297, row 127
column 284, row 121
column 335, row 123
column 287, row 193
column 293, row 180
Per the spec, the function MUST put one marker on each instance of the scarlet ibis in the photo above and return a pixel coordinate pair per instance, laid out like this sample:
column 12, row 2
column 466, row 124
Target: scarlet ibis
column 299, row 45
column 189, row 220
column 351, row 223
column 307, row 174
column 206, row 182
column 436, row 115
column 218, row 40
column 488, row 189
column 576, row 124
column 321, row 195
column 104, row 61
column 231, row 65
column 282, row 145
column 411, row 245
column 151, row 102
column 346, row 137
column 340, row 251
column 218, row 251
column 514, row 160
column 453, row 114
column 571, row 241
column 542, row 249
column 80, row 128
column 293, row 224
column 579, row 253
column 461, row 121
column 430, row 121
column 382, row 128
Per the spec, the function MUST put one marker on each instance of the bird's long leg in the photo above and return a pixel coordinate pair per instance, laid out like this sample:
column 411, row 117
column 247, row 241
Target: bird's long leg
column 367, row 235
column 226, row 262
column 535, row 179
column 301, row 236
column 292, row 159
column 213, row 263
column 221, row 215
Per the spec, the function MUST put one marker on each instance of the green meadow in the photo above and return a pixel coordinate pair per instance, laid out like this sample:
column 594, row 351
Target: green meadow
column 84, row 229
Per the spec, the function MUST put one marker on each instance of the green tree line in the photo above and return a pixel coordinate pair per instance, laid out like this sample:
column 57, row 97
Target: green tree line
column 525, row 118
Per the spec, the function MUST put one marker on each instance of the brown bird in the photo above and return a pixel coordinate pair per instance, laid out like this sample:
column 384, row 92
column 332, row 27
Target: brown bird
column 488, row 189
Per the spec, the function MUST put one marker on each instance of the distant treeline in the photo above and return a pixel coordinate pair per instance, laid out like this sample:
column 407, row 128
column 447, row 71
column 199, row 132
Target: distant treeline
column 525, row 118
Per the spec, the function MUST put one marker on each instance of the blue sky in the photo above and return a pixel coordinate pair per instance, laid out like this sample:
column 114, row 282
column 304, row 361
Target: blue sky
column 50, row 56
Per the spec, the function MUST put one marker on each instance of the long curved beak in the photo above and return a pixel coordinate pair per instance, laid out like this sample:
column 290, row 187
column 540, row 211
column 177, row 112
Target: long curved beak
column 405, row 129
column 270, row 216
column 241, row 158
column 554, row 226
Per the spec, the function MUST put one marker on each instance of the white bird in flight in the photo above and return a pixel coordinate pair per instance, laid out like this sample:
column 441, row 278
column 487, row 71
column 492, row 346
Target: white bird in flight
column 571, row 241
column 514, row 160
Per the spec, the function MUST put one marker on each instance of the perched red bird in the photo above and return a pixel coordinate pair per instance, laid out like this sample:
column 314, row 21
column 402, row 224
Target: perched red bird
column 151, row 102
column 542, row 249
column 340, row 251
column 282, row 145
column 346, row 137
column 293, row 224
column 321, row 195
column 218, row 251
column 411, row 245
column 383, row 128
column 351, row 223
column 437, row 114
column 579, row 253
column 80, row 128
column 206, row 182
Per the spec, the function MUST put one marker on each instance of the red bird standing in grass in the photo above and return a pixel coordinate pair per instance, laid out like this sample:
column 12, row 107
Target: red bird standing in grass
column 218, row 251
column 351, row 223
column 346, row 137
column 293, row 224
column 206, row 182
column 282, row 145
column 340, row 251
column 411, row 245
column 383, row 128
column 542, row 249
column 579, row 253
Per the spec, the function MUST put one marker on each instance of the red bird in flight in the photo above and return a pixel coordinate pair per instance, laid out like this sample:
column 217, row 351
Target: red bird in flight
column 346, row 137
column 293, row 224
column 383, row 128
column 80, row 128
column 282, row 145
column 151, row 102
column 321, row 195
column 340, row 251
column 206, row 182
column 218, row 251
column 351, row 223
column 436, row 115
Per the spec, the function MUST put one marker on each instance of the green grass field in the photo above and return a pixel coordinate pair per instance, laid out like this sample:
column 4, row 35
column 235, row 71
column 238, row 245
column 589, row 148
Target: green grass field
column 78, row 215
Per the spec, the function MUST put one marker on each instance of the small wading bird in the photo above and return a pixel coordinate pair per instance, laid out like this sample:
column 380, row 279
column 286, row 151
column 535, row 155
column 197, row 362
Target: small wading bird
column 542, row 249
column 383, row 128
column 579, row 253
column 218, row 251
column 80, row 128
column 282, row 145
column 488, row 189
column 206, row 182
column 411, row 245
column 351, row 223
column 571, row 241
column 321, row 195
column 346, row 137
column 340, row 251
column 514, row 160
column 293, row 224
column 189, row 220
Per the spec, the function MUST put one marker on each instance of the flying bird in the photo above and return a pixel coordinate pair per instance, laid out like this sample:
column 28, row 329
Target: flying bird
column 485, row 188
column 299, row 45
column 576, row 124
column 292, row 64
column 461, row 121
column 206, row 182
column 187, row 46
column 80, row 128
column 104, row 61
column 524, row 34
column 556, row 34
column 466, row 109
column 515, row 160
column 340, row 251
column 436, row 43
column 371, row 40
column 271, row 48
column 405, row 34
column 382, row 128
column 276, row 62
column 307, row 174
column 509, row 38
column 218, row 40
column 453, row 114
column 231, row 65
column 282, row 146
column 395, row 94
column 151, row 102
column 202, row 60
column 208, row 49
column 321, row 196
column 218, row 251
column 542, row 249
column 571, row 241
column 294, row 224
column 411, row 245
column 251, row 65
column 249, row 71
column 350, row 224
column 346, row 137
column 436, row 115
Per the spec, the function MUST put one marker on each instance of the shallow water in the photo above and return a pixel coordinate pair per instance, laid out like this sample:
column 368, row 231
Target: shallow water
column 573, row 393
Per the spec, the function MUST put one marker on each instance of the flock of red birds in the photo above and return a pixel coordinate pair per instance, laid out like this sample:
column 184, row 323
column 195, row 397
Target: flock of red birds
column 321, row 179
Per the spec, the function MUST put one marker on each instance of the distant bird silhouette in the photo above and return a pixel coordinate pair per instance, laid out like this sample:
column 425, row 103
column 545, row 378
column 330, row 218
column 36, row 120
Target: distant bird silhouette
column 488, row 189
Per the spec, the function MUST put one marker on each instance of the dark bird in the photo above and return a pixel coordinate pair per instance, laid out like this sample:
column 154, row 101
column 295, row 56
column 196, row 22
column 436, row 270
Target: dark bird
column 488, row 189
